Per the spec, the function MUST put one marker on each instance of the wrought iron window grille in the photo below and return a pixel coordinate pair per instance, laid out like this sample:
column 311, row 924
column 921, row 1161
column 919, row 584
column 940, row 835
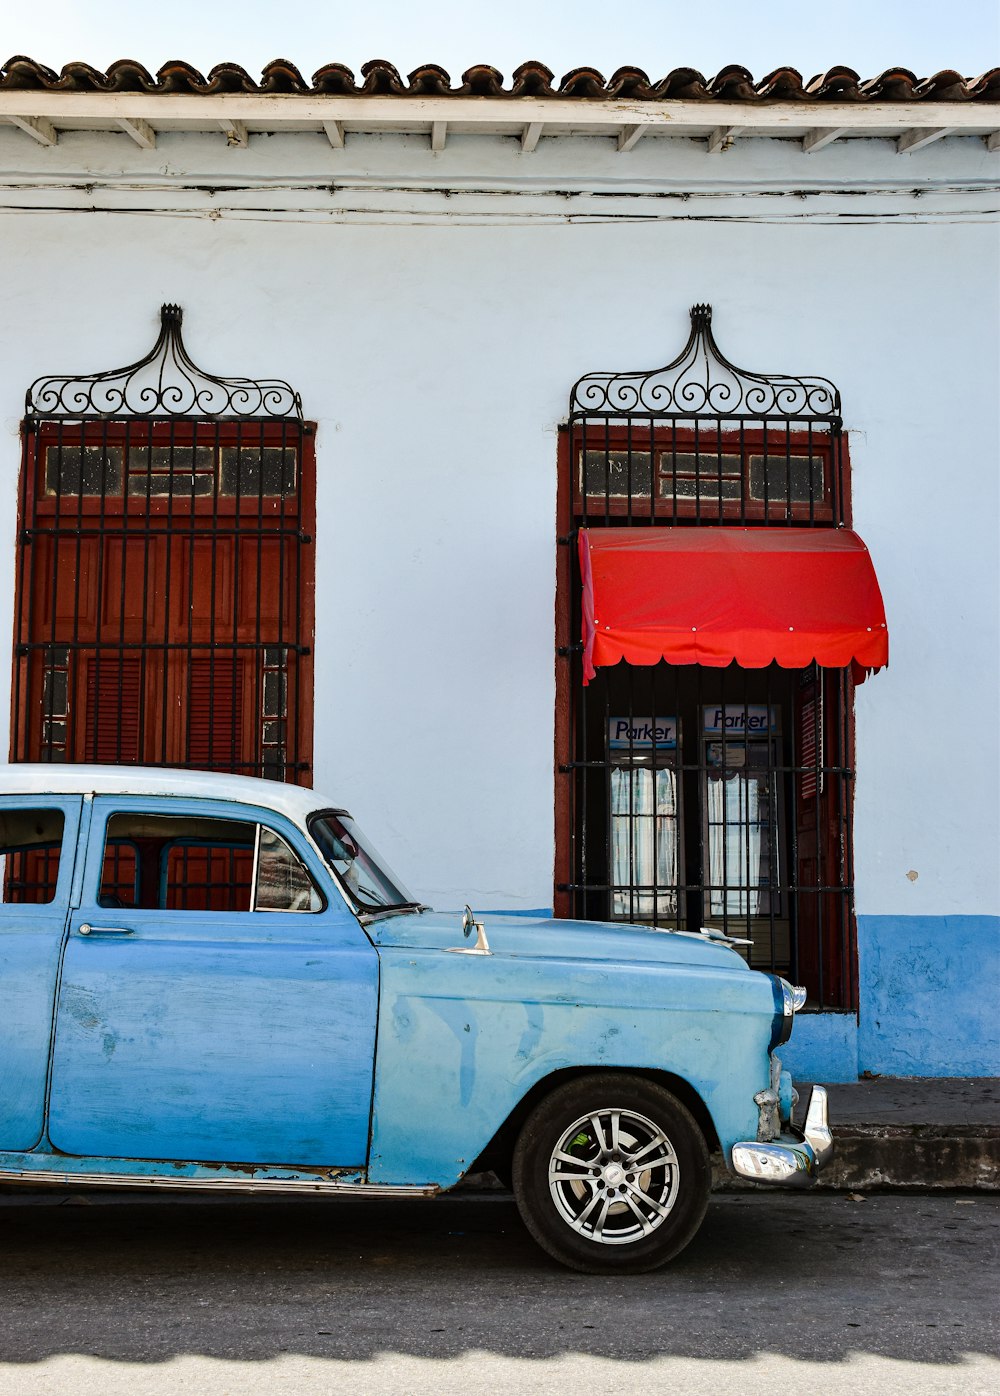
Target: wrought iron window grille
column 165, row 573
column 751, row 838
column 165, row 383
column 701, row 382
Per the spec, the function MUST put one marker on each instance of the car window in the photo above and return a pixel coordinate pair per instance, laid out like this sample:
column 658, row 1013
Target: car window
column 197, row 863
column 283, row 884
column 30, row 849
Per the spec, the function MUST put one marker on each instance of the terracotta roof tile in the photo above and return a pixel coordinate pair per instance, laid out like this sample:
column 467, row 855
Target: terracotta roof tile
column 125, row 75
column 479, row 81
column 230, row 77
column 835, row 85
column 531, row 79
column 333, row 80
column 382, row 79
column 733, row 84
column 429, row 80
column 176, row 76
column 281, row 76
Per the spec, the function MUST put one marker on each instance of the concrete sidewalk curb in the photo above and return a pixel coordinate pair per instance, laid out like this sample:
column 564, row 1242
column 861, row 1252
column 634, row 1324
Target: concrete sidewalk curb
column 920, row 1134
column 917, row 1158
column 928, row 1157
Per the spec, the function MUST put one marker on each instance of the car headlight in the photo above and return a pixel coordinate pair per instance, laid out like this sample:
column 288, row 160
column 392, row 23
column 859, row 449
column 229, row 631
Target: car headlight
column 788, row 999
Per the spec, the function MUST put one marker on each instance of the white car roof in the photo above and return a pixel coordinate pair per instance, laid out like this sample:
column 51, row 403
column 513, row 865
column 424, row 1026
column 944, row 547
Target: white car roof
column 294, row 801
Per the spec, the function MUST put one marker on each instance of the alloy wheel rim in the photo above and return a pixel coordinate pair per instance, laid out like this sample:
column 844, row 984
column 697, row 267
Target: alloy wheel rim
column 614, row 1176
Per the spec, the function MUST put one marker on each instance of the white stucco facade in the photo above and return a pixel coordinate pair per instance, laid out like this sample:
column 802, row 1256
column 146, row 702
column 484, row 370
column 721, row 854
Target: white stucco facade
column 433, row 310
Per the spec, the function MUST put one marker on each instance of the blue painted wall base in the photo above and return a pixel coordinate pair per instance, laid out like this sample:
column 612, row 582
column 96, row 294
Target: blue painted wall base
column 930, row 995
column 929, row 1004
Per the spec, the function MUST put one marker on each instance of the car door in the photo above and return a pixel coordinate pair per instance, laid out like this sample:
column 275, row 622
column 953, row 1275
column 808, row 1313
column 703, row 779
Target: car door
column 38, row 838
column 218, row 999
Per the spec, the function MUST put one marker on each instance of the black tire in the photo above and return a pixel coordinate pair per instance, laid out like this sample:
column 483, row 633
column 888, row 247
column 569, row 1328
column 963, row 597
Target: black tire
column 602, row 1213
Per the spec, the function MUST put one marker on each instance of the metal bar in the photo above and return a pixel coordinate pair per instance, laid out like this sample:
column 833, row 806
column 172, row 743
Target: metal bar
column 239, row 738
column 23, row 594
column 819, row 736
column 282, row 679
column 76, row 720
column 167, row 588
column 122, row 585
column 185, row 676
column 152, row 645
column 72, row 531
column 258, row 677
column 213, row 603
column 295, row 697
column 776, row 833
column 144, row 623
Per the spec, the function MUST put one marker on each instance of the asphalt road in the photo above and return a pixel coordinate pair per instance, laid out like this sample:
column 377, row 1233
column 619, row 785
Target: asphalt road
column 821, row 1292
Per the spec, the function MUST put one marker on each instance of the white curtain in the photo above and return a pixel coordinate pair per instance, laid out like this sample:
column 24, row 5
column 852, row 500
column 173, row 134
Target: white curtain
column 643, row 841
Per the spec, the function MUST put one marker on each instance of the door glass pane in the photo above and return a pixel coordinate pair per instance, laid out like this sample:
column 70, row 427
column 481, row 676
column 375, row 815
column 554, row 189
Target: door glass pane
column 743, row 859
column 30, row 845
column 283, row 884
column 178, row 863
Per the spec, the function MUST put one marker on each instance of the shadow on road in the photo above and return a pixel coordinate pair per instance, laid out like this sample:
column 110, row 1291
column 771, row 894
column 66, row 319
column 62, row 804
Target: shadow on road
column 811, row 1277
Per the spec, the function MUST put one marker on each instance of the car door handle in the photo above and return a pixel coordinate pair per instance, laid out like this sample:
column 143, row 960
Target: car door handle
column 86, row 930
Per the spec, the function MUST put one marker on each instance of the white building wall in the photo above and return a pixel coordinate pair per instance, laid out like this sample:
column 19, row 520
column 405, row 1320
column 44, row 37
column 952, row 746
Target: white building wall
column 434, row 339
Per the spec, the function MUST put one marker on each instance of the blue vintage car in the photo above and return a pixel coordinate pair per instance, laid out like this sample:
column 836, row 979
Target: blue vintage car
column 214, row 982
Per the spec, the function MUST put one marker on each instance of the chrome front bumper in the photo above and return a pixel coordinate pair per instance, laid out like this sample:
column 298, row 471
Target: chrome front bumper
column 793, row 1159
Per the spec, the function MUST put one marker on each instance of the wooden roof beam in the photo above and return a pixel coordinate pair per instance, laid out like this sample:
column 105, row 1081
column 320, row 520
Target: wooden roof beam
column 439, row 135
column 993, row 141
column 140, row 131
column 822, row 136
column 722, row 138
column 531, row 135
column 335, row 134
column 918, row 138
column 39, row 128
column 630, row 136
column 236, row 133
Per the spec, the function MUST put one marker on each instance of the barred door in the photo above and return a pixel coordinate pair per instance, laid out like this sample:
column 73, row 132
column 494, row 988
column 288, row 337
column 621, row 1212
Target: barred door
column 165, row 576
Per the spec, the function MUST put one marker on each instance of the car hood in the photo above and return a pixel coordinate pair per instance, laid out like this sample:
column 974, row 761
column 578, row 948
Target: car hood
column 532, row 937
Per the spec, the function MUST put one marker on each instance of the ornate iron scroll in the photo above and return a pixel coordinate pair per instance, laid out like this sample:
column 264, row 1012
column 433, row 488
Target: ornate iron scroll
column 166, row 383
column 702, row 382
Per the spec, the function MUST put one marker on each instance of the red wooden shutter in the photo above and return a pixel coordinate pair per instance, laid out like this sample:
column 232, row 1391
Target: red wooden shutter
column 114, row 704
column 809, row 731
column 215, row 715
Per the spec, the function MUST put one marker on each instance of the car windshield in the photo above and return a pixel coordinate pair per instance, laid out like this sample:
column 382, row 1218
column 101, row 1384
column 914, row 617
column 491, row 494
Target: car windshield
column 362, row 873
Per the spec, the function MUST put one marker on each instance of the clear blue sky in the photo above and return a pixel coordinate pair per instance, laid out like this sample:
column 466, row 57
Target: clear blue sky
column 657, row 35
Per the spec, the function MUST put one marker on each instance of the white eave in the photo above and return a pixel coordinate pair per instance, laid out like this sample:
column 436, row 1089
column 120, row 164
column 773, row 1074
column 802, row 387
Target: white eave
column 235, row 118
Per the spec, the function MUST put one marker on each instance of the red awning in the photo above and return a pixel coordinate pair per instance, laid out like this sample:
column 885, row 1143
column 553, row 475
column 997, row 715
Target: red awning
column 714, row 595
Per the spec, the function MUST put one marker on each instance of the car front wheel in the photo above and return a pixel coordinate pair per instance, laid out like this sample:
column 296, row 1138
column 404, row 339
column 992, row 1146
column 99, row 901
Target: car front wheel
column 611, row 1173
